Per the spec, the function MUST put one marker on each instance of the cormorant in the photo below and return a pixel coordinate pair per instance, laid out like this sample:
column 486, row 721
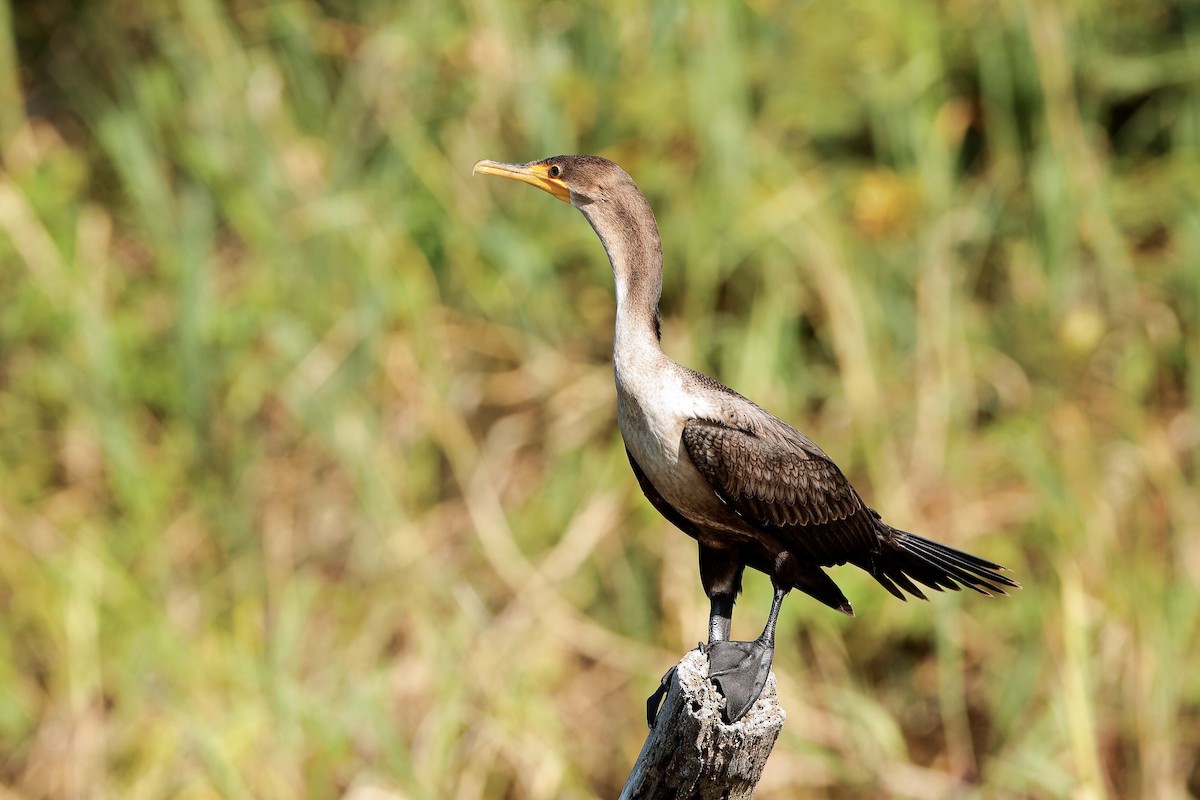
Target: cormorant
column 750, row 489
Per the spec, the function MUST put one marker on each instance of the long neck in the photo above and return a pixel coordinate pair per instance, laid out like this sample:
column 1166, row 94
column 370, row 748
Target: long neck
column 630, row 237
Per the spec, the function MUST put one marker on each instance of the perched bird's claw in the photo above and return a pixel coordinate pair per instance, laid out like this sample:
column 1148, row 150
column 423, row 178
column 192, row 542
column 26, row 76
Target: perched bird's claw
column 654, row 701
column 739, row 670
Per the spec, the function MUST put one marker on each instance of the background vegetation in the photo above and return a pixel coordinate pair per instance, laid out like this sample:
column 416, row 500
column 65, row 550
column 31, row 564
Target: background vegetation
column 310, row 484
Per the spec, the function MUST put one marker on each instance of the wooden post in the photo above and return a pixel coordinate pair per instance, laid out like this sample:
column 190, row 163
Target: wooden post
column 691, row 754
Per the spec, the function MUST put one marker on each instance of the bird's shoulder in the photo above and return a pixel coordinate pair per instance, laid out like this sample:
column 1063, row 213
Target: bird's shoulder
column 738, row 414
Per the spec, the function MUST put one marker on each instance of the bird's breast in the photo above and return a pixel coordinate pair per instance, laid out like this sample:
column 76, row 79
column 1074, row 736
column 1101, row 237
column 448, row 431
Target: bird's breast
column 651, row 417
column 652, row 425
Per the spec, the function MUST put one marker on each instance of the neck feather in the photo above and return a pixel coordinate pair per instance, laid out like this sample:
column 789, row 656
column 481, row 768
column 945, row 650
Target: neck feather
column 630, row 237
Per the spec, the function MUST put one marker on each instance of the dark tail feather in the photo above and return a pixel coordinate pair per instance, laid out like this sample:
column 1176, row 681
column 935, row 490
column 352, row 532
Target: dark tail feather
column 906, row 557
column 815, row 583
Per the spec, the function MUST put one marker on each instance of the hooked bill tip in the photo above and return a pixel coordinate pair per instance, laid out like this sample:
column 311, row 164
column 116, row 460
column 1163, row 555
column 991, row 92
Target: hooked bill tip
column 483, row 162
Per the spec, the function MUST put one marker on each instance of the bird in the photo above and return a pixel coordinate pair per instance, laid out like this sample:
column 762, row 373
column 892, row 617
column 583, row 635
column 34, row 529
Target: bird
column 752, row 490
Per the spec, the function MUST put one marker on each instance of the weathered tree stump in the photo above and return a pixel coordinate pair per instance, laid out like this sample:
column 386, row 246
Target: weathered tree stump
column 691, row 754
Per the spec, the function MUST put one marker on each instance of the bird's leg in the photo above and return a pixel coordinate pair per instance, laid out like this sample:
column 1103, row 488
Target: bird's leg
column 740, row 669
column 720, row 618
column 721, row 573
column 768, row 634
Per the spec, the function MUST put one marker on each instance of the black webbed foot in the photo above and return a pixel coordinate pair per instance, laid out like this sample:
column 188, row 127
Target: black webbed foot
column 739, row 670
column 654, row 701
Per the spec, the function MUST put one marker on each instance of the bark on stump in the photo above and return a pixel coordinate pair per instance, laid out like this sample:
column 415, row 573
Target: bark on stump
column 691, row 754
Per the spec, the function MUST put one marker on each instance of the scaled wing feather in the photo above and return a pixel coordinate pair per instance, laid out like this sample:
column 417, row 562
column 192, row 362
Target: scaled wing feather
column 784, row 488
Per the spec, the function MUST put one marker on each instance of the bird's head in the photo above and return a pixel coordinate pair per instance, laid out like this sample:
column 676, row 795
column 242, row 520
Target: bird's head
column 578, row 180
column 609, row 200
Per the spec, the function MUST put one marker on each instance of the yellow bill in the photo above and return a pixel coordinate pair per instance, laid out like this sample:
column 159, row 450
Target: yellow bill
column 535, row 174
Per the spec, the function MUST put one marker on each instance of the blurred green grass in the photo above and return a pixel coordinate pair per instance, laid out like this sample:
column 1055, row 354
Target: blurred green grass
column 310, row 482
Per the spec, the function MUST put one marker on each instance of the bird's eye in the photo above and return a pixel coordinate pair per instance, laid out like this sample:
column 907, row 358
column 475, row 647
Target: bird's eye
column 555, row 171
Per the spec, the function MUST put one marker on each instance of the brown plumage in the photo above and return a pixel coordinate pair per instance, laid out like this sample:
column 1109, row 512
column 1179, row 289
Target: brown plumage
column 751, row 489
